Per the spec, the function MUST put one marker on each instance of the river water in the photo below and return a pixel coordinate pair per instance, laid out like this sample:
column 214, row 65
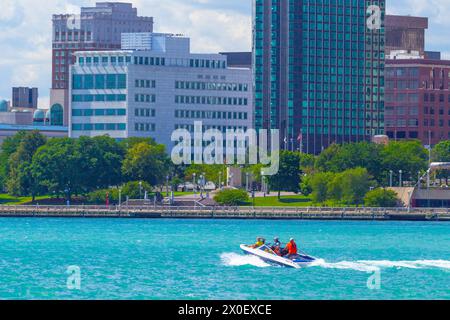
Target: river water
column 200, row 259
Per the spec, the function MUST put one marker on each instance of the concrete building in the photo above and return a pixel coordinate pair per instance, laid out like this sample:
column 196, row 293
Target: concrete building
column 155, row 90
column 8, row 130
column 418, row 100
column 318, row 72
column 23, row 97
column 96, row 28
column 405, row 33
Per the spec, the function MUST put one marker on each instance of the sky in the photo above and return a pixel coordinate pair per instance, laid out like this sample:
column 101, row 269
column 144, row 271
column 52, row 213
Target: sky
column 213, row 25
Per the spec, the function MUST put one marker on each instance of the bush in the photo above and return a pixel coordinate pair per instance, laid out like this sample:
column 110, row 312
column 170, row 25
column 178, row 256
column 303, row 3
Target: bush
column 381, row 198
column 132, row 190
column 99, row 196
column 231, row 197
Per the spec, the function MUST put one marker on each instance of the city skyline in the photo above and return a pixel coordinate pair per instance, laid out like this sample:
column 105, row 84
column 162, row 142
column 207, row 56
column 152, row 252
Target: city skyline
column 26, row 41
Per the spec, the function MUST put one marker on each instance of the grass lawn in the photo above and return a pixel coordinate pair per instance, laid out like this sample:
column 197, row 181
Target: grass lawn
column 286, row 201
column 8, row 200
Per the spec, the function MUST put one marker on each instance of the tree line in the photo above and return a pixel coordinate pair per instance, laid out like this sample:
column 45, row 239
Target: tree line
column 31, row 165
column 356, row 173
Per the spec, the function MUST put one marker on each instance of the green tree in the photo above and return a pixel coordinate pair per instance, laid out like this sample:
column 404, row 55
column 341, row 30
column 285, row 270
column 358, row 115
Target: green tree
column 56, row 167
column 213, row 172
column 338, row 158
column 441, row 153
column 231, row 197
column 409, row 156
column 319, row 186
column 8, row 147
column 146, row 162
column 350, row 186
column 100, row 162
column 381, row 198
column 288, row 176
column 135, row 189
column 20, row 181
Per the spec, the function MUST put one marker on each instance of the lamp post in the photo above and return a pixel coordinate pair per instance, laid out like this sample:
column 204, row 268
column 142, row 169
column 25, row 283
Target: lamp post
column 120, row 198
column 194, row 175
column 220, row 180
column 390, row 177
column 246, row 181
column 400, row 183
column 140, row 190
column 167, row 186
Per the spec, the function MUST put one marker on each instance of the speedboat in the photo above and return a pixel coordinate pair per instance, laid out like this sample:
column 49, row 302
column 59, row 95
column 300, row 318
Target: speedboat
column 265, row 253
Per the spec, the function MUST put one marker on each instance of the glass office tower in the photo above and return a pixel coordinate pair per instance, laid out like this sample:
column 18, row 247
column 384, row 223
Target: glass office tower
column 319, row 71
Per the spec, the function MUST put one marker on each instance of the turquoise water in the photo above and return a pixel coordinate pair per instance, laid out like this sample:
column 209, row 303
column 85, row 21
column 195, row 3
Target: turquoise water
column 188, row 259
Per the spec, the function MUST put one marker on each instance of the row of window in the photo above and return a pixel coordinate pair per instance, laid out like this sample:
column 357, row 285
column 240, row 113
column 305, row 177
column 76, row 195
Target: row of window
column 99, row 81
column 104, row 60
column 217, row 86
column 196, row 114
column 211, row 100
column 223, row 129
column 98, row 112
column 145, row 98
column 145, row 127
column 145, row 83
column 141, row 112
column 402, row 123
column 391, row 123
column 431, row 97
column 430, row 110
column 99, row 97
column 99, row 126
column 210, row 64
column 150, row 61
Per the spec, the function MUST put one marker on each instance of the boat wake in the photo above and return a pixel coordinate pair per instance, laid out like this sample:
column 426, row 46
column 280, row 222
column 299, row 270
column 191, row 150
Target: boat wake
column 237, row 260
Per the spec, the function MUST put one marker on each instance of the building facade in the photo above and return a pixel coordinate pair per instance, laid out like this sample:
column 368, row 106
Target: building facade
column 418, row 100
column 150, row 93
column 23, row 97
column 96, row 28
column 318, row 70
column 405, row 33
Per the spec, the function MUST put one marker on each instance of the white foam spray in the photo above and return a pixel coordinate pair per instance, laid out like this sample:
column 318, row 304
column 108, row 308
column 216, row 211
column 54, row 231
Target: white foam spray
column 236, row 260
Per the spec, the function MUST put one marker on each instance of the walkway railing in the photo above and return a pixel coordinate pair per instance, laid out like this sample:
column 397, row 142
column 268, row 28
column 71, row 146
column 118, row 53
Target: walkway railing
column 323, row 213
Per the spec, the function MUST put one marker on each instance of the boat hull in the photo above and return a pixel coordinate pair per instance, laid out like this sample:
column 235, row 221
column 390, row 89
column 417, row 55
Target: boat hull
column 277, row 260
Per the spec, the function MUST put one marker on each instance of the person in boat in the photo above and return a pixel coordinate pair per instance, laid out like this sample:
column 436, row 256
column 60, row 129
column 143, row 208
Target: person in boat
column 276, row 246
column 259, row 242
column 291, row 249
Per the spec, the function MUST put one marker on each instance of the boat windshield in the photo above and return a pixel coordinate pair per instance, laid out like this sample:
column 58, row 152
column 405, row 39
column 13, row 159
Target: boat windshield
column 267, row 249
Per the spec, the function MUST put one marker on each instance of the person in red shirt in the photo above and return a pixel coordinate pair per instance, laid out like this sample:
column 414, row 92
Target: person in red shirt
column 291, row 249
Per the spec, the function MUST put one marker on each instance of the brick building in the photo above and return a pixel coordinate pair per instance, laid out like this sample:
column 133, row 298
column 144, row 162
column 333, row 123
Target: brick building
column 417, row 100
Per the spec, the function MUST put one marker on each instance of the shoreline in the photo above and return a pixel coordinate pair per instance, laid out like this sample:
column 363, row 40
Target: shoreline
column 227, row 213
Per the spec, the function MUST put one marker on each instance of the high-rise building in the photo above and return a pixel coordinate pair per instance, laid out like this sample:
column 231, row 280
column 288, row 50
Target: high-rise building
column 155, row 90
column 94, row 29
column 418, row 99
column 318, row 70
column 405, row 33
column 23, row 97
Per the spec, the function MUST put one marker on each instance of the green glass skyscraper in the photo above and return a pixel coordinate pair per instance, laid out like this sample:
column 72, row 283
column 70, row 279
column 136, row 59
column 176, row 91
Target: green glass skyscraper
column 319, row 70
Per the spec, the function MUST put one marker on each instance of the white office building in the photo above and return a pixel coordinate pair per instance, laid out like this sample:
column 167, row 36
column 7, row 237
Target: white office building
column 153, row 91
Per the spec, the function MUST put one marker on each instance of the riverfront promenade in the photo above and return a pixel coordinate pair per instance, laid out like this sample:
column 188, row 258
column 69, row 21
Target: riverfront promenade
column 281, row 213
